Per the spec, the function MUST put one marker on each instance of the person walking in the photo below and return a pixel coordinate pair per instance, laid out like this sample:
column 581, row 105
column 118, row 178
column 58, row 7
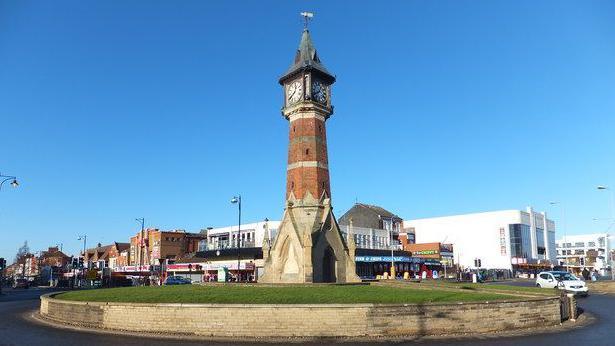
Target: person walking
column 585, row 274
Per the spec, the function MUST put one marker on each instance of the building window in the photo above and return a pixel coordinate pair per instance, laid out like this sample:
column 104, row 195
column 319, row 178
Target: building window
column 307, row 151
column 520, row 243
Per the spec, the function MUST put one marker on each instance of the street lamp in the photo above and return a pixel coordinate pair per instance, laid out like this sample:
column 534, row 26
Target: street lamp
column 85, row 239
column 237, row 200
column 602, row 187
column 6, row 178
column 140, row 256
column 564, row 251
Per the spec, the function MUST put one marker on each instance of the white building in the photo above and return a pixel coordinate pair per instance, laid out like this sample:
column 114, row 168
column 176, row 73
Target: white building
column 584, row 251
column 500, row 239
column 372, row 238
column 252, row 235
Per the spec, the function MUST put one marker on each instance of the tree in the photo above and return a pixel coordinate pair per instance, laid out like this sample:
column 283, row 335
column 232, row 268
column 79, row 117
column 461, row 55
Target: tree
column 22, row 252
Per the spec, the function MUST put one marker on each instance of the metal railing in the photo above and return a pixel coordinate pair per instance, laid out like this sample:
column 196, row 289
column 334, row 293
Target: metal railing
column 221, row 245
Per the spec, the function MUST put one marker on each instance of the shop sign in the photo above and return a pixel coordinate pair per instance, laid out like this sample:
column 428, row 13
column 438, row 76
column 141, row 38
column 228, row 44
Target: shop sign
column 185, row 266
column 387, row 259
column 518, row 260
column 132, row 269
column 425, row 252
column 156, row 252
column 209, row 266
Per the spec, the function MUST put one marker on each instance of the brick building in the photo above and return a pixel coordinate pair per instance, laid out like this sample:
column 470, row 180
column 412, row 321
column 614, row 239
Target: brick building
column 54, row 257
column 151, row 245
column 97, row 257
column 119, row 255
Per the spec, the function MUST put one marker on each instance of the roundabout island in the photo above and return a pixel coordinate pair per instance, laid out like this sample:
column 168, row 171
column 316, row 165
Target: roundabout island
column 327, row 310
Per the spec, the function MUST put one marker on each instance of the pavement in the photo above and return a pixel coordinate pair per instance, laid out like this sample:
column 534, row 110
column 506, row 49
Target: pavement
column 18, row 327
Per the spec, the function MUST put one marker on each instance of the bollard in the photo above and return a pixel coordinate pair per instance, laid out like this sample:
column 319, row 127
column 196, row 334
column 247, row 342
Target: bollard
column 573, row 307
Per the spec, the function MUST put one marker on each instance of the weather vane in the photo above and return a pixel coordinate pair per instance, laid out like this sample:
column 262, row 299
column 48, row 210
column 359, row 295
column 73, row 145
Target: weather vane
column 307, row 16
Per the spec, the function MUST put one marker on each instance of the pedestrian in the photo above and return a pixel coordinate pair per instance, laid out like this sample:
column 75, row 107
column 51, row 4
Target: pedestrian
column 585, row 274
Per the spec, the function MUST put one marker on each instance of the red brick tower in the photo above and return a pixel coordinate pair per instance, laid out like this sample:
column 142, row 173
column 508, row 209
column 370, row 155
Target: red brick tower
column 309, row 246
column 307, row 106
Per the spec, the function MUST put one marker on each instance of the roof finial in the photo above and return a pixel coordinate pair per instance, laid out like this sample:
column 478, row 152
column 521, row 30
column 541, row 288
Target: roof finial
column 307, row 16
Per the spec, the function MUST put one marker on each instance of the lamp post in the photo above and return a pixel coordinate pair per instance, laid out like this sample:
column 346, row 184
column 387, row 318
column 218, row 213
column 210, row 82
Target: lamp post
column 6, row 178
column 237, row 200
column 139, row 260
column 565, row 252
column 85, row 239
column 608, row 253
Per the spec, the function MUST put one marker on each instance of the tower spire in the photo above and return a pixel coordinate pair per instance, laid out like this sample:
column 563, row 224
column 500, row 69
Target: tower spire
column 306, row 57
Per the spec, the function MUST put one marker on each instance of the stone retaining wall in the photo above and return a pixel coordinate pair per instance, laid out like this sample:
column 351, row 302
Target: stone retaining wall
column 301, row 320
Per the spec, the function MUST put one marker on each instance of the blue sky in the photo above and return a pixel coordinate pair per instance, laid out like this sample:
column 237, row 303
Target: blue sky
column 113, row 110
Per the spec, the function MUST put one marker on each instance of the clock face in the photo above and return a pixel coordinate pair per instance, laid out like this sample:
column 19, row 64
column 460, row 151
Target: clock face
column 295, row 92
column 319, row 92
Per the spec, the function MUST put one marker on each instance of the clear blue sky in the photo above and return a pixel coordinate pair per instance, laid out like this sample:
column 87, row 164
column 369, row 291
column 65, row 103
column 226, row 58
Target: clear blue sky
column 113, row 110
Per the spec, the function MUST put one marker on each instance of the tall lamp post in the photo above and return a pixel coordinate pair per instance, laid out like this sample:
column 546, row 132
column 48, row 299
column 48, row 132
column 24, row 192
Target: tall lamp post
column 139, row 260
column 602, row 187
column 564, row 251
column 85, row 239
column 237, row 200
column 14, row 183
column 6, row 178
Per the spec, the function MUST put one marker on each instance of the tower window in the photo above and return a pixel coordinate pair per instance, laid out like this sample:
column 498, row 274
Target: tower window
column 319, row 128
column 294, row 128
column 323, row 185
column 307, row 151
column 292, row 184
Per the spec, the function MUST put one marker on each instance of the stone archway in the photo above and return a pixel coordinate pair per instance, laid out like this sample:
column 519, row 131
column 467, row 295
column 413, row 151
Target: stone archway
column 329, row 268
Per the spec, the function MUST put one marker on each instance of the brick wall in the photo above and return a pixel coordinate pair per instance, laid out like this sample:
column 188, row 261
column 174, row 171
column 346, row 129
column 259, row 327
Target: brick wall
column 265, row 320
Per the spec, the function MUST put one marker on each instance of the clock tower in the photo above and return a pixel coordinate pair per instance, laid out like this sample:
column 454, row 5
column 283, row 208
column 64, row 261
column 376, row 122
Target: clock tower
column 309, row 246
column 307, row 106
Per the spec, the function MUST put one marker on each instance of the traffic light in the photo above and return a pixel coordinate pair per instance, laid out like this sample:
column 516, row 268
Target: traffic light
column 80, row 262
column 2, row 263
column 479, row 264
column 75, row 262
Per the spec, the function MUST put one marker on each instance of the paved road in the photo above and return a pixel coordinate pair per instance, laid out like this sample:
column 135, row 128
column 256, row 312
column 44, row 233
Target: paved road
column 17, row 328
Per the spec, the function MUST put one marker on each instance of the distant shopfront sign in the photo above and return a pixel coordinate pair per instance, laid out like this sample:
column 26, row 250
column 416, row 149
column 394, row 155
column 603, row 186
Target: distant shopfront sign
column 425, row 252
column 209, row 266
column 132, row 269
column 405, row 259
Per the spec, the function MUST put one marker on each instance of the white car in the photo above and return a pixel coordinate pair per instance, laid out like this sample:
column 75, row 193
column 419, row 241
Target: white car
column 563, row 281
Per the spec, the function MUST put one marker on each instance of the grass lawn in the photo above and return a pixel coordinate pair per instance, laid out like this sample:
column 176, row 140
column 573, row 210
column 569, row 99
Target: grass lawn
column 498, row 287
column 255, row 294
column 509, row 288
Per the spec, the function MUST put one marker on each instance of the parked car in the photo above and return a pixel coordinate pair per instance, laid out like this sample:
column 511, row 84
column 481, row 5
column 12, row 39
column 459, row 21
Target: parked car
column 177, row 280
column 21, row 283
column 562, row 280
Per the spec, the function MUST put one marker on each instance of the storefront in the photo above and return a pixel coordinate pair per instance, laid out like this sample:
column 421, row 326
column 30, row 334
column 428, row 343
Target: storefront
column 369, row 267
column 208, row 271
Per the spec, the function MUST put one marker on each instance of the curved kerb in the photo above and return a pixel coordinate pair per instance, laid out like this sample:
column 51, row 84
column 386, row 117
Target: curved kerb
column 306, row 320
